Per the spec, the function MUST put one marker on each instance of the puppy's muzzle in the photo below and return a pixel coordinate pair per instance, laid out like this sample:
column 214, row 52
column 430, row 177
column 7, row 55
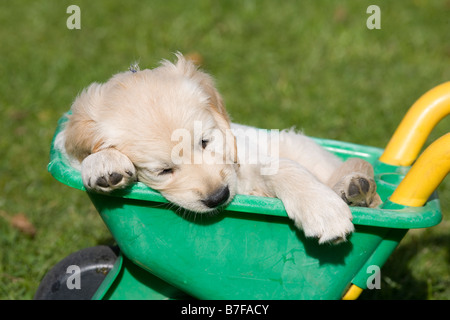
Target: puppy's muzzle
column 217, row 198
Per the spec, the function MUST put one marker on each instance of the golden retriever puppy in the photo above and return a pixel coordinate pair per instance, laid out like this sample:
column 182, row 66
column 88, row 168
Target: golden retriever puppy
column 168, row 128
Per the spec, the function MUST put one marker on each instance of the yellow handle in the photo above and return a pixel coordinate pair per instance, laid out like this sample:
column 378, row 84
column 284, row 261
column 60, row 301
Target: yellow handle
column 434, row 163
column 425, row 175
column 422, row 179
column 416, row 126
column 352, row 293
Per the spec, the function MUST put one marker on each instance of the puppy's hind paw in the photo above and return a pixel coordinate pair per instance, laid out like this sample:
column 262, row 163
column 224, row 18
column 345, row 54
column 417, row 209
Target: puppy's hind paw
column 358, row 190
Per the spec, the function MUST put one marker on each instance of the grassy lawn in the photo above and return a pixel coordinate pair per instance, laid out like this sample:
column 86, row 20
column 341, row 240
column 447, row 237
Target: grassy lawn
column 312, row 64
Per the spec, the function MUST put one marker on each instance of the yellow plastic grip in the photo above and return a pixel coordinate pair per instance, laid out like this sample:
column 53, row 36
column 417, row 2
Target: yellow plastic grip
column 352, row 293
column 419, row 121
column 403, row 148
column 425, row 175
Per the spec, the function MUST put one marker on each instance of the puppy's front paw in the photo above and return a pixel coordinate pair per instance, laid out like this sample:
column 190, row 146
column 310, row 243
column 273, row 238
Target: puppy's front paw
column 107, row 170
column 358, row 190
column 324, row 216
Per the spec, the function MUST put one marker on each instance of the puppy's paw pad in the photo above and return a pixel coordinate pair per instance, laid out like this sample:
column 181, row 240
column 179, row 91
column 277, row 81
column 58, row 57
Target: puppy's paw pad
column 115, row 178
column 111, row 180
column 101, row 182
column 358, row 190
column 358, row 186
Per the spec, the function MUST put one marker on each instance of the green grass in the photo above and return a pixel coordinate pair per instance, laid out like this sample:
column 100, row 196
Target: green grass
column 312, row 64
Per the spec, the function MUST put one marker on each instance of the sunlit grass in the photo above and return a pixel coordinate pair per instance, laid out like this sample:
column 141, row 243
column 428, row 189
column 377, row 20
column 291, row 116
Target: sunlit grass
column 310, row 64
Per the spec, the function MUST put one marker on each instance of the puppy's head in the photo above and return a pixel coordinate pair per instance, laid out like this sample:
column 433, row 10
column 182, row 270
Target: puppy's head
column 171, row 123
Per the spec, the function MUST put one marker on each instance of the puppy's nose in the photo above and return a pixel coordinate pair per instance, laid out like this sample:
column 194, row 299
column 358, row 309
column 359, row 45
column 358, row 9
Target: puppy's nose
column 217, row 198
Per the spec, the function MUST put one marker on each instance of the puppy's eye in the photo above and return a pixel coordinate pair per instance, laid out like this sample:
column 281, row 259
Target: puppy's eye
column 165, row 171
column 204, row 143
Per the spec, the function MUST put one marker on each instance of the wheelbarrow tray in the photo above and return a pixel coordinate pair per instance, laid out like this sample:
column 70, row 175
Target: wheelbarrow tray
column 251, row 249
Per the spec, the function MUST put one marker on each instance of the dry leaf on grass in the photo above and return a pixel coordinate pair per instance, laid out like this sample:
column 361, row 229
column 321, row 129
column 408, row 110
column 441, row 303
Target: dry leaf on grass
column 20, row 222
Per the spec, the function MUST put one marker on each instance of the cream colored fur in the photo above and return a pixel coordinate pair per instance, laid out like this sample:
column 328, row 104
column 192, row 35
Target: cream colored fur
column 169, row 129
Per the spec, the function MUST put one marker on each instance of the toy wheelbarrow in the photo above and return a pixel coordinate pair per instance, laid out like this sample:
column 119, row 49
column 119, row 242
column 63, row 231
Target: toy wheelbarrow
column 252, row 250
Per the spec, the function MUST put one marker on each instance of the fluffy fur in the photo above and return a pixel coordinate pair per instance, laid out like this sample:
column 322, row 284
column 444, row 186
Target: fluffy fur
column 169, row 129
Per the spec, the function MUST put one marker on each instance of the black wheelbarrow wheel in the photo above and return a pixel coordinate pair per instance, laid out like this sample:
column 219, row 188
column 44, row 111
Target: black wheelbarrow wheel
column 79, row 275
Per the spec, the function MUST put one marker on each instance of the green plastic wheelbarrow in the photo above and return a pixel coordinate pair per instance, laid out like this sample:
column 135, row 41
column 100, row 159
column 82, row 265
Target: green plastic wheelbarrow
column 252, row 249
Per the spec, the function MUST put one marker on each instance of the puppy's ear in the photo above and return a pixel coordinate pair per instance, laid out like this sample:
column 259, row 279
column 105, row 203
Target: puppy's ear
column 206, row 82
column 217, row 106
column 82, row 137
